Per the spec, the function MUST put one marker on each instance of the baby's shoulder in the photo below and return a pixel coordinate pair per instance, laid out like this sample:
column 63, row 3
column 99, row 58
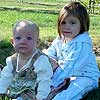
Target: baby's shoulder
column 9, row 58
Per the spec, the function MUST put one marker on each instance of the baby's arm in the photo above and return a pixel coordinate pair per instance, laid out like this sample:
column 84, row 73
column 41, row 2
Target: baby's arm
column 44, row 73
column 5, row 77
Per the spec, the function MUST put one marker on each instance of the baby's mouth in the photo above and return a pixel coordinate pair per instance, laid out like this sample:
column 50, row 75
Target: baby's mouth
column 22, row 47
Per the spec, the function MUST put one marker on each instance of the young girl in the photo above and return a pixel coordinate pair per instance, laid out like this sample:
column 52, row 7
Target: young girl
column 72, row 55
column 27, row 75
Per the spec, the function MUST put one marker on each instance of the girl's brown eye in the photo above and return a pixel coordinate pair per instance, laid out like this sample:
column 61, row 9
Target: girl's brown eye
column 72, row 22
column 63, row 22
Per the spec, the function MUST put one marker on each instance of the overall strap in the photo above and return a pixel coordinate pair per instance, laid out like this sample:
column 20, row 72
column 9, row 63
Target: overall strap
column 34, row 58
column 14, row 62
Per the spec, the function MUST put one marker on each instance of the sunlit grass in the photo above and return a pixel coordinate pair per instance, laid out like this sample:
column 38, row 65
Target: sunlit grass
column 95, row 24
column 46, row 22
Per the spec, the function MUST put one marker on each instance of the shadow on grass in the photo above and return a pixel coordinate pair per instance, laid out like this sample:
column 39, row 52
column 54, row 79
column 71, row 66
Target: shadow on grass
column 6, row 50
column 93, row 95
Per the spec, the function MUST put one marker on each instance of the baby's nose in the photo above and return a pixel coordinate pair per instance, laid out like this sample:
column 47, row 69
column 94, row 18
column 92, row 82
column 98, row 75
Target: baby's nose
column 23, row 40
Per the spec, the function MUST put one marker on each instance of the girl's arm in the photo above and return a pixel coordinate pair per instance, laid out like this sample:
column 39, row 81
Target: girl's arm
column 54, row 63
column 51, row 51
column 77, row 59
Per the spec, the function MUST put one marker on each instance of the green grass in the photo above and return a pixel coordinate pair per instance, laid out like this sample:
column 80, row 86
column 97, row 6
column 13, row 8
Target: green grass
column 46, row 22
column 95, row 24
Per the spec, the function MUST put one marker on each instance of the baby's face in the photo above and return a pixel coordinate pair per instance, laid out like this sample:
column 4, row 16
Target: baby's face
column 25, row 40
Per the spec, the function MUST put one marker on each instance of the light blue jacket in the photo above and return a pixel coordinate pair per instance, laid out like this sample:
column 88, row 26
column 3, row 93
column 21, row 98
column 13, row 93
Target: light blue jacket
column 75, row 58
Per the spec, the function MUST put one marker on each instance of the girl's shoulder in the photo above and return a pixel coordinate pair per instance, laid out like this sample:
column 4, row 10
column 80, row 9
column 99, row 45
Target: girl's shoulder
column 57, row 40
column 84, row 38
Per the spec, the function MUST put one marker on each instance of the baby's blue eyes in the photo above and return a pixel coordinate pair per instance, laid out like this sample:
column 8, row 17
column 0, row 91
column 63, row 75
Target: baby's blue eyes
column 29, row 38
column 19, row 38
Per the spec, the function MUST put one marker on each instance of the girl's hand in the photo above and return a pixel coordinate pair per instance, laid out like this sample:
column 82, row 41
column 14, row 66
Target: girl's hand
column 54, row 63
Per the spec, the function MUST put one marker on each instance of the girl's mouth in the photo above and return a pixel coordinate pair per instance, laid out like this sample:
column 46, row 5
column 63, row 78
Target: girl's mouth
column 66, row 32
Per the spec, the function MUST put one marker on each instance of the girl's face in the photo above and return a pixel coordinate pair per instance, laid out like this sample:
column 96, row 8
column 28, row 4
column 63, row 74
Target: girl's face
column 24, row 41
column 70, row 27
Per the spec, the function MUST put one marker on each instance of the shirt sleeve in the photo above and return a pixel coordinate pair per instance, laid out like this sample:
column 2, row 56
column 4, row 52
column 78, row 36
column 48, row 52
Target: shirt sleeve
column 6, row 76
column 44, row 72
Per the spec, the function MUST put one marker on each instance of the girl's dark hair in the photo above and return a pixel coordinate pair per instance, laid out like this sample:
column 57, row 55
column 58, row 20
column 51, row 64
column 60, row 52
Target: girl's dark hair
column 75, row 9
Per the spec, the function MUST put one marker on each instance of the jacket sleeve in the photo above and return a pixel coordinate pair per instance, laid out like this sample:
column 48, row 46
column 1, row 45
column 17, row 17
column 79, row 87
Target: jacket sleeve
column 77, row 58
column 6, row 76
column 44, row 72
column 52, row 50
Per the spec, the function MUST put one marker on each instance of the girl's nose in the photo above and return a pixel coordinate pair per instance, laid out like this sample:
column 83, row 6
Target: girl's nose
column 66, row 25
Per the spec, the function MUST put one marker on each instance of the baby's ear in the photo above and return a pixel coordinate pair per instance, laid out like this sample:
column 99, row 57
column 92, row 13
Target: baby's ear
column 12, row 41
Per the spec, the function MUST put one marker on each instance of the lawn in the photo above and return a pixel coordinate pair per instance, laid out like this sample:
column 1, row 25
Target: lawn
column 45, row 14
